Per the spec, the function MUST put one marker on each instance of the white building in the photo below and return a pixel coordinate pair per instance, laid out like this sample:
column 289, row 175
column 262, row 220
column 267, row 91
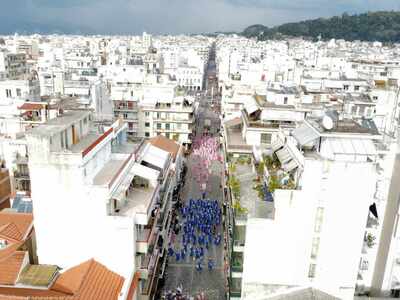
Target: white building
column 101, row 198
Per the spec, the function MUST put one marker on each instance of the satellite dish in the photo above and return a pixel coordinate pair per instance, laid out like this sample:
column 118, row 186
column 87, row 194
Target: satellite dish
column 327, row 122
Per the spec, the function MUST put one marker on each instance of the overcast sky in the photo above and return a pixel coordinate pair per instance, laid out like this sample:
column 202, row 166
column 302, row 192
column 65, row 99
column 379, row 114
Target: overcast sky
column 168, row 16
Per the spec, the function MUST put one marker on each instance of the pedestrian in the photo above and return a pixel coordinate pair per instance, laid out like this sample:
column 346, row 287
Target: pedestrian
column 210, row 264
column 199, row 266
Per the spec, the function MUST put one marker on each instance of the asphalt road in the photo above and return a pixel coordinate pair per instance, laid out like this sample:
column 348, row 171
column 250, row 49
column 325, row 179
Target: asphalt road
column 184, row 273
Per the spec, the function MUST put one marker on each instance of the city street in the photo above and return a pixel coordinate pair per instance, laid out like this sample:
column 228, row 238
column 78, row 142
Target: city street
column 184, row 273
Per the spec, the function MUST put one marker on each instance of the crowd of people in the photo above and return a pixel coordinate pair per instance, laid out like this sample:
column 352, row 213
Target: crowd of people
column 177, row 294
column 201, row 218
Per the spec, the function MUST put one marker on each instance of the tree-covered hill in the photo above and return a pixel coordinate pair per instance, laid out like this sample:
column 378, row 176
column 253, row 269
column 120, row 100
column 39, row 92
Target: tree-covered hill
column 381, row 26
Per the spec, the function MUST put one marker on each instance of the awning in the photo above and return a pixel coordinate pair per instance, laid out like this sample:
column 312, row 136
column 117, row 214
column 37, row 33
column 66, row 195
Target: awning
column 145, row 172
column 291, row 165
column 120, row 192
column 283, row 155
column 251, row 106
column 32, row 106
column 233, row 122
column 155, row 156
column 277, row 144
column 352, row 146
column 304, row 134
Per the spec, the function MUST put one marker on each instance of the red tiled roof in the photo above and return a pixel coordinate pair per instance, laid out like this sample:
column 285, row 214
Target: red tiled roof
column 10, row 231
column 31, row 106
column 165, row 144
column 14, row 227
column 87, row 281
column 71, row 280
column 10, row 268
column 22, row 223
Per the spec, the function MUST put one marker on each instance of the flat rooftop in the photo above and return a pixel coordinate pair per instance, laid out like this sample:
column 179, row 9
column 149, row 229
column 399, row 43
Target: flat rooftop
column 235, row 141
column 85, row 142
column 138, row 201
column 249, row 199
column 59, row 124
column 107, row 173
column 345, row 126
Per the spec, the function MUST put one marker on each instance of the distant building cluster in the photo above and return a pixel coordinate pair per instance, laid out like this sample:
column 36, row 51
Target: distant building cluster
column 310, row 132
column 93, row 132
column 94, row 137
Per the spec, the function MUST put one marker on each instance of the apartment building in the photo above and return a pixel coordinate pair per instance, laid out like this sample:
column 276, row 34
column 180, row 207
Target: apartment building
column 118, row 194
column 172, row 118
column 12, row 65
column 315, row 210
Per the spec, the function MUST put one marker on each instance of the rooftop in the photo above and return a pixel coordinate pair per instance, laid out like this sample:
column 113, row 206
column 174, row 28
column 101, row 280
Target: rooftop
column 85, row 142
column 138, row 201
column 89, row 280
column 249, row 198
column 38, row 275
column 107, row 173
column 165, row 144
column 59, row 124
column 348, row 126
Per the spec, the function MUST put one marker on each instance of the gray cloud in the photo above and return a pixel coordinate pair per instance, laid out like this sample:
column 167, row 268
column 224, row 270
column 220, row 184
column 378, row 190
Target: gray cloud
column 168, row 16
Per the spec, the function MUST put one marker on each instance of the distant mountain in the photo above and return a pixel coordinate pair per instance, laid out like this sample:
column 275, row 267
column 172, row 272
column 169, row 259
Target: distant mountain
column 381, row 26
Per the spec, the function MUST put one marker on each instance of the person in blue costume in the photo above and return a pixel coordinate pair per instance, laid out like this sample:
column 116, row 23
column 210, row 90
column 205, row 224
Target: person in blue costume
column 199, row 267
column 210, row 264
column 170, row 251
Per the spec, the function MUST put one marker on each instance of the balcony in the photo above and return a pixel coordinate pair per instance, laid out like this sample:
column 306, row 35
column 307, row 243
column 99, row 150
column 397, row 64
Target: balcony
column 125, row 106
column 76, row 84
column 235, row 288
column 140, row 201
column 150, row 285
column 238, row 246
column 147, row 236
column 21, row 175
column 237, row 262
column 149, row 262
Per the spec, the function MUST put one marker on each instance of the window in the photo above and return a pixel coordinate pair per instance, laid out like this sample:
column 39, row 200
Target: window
column 375, row 97
column 158, row 115
column 265, row 138
column 315, row 247
column 178, row 126
column 357, row 88
column 19, row 92
column 147, row 124
column 125, row 116
column 167, row 126
column 158, row 125
column 131, row 93
column 8, row 93
column 285, row 100
column 346, row 87
column 147, row 134
column 311, row 271
column 147, row 114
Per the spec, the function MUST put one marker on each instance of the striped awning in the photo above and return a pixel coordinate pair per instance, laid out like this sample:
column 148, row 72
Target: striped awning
column 277, row 144
column 283, row 155
column 291, row 165
column 304, row 134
